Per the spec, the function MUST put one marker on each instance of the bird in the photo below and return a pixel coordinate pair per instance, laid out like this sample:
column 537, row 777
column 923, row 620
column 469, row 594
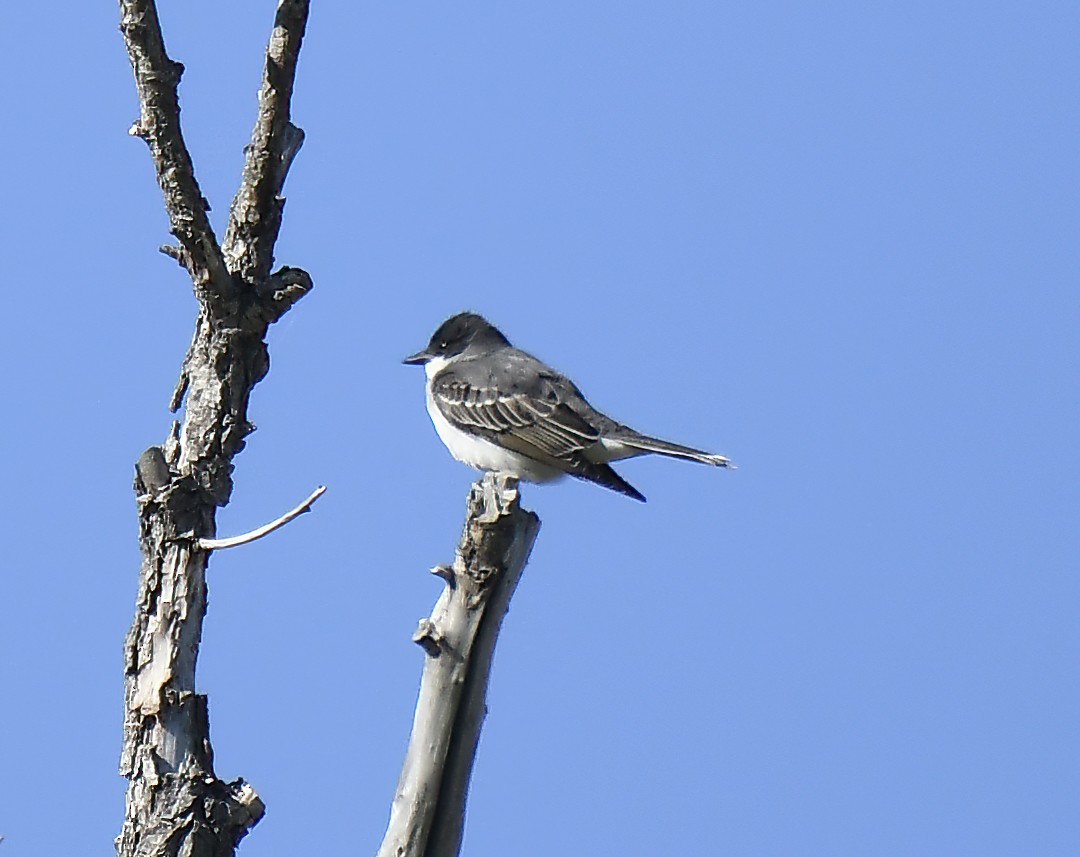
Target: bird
column 497, row 408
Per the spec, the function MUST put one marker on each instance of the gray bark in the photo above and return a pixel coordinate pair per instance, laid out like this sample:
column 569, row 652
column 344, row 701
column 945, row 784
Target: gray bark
column 458, row 639
column 175, row 803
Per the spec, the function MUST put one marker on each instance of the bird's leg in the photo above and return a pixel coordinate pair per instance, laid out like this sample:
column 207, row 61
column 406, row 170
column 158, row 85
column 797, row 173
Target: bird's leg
column 499, row 490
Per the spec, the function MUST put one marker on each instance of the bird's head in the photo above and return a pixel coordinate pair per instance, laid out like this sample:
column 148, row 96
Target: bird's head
column 457, row 334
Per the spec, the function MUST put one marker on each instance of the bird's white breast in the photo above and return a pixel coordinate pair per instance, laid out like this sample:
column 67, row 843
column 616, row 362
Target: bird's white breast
column 476, row 451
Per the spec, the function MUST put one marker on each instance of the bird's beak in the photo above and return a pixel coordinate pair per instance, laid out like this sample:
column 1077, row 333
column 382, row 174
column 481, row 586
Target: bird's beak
column 417, row 359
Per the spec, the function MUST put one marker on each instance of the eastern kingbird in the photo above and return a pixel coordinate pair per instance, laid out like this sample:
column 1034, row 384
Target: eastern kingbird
column 498, row 408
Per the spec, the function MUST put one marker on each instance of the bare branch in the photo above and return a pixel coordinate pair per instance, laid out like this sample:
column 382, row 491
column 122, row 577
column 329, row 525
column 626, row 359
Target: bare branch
column 428, row 812
column 255, row 214
column 265, row 529
column 156, row 79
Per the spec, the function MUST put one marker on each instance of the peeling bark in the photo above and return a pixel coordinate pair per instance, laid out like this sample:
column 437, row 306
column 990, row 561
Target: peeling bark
column 175, row 802
column 428, row 813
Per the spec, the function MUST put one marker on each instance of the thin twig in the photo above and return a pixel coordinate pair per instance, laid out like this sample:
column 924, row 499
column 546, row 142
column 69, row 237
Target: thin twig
column 265, row 529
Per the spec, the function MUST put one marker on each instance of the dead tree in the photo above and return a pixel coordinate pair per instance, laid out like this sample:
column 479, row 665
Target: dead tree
column 176, row 805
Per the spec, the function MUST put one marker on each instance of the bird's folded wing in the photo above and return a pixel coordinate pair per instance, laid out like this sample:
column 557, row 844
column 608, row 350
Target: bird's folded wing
column 537, row 425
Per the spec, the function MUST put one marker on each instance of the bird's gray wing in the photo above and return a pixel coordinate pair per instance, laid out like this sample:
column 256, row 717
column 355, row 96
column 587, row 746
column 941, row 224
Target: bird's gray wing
column 523, row 405
column 528, row 415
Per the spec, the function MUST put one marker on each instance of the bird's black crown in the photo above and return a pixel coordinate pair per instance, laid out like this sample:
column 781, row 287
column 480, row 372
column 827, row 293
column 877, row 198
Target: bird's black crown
column 462, row 330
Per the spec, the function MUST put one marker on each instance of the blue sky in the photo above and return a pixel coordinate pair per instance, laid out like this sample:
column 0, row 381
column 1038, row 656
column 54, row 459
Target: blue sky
column 834, row 241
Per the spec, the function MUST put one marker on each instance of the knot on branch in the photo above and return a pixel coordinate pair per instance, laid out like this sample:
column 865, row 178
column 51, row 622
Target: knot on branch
column 151, row 471
column 246, row 805
column 203, row 810
column 281, row 290
column 167, row 72
column 428, row 637
column 479, row 575
column 171, row 506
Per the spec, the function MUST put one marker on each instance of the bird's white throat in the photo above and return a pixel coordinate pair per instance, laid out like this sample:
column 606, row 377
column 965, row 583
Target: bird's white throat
column 434, row 366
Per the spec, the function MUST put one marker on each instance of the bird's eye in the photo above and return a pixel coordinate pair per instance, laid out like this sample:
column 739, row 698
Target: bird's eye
column 443, row 343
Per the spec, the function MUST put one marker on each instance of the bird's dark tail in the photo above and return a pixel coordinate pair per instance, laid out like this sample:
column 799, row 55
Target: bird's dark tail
column 675, row 450
column 604, row 474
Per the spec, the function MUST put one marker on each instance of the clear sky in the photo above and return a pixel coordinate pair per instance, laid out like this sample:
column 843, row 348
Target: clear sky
column 835, row 241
